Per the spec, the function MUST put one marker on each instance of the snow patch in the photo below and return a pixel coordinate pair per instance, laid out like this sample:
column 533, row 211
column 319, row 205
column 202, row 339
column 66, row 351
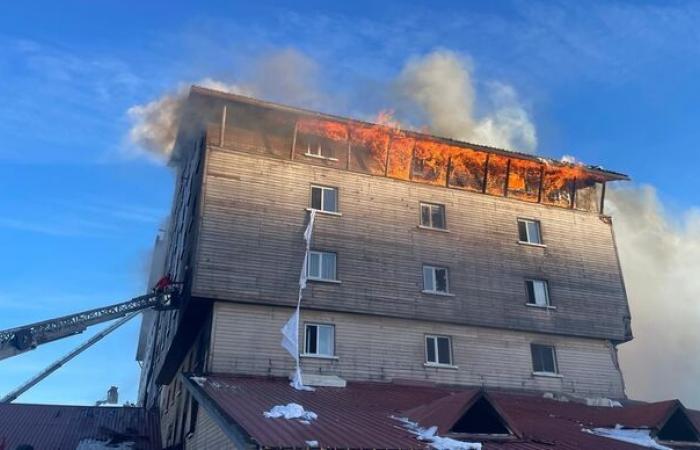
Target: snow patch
column 602, row 401
column 436, row 442
column 635, row 436
column 290, row 411
column 199, row 380
column 95, row 444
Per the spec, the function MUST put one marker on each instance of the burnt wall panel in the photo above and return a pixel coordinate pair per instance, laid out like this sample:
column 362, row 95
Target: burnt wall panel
column 251, row 249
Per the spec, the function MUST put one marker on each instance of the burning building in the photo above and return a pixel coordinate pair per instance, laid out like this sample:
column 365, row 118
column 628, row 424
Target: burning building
column 433, row 263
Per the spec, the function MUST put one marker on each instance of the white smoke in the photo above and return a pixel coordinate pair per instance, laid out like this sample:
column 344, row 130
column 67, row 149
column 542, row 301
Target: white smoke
column 286, row 76
column 440, row 85
column 155, row 124
column 661, row 265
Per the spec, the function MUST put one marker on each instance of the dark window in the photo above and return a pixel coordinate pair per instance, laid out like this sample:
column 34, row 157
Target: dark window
column 678, row 428
column 435, row 279
column 537, row 292
column 481, row 418
column 544, row 359
column 438, row 350
column 432, row 215
column 324, row 198
column 319, row 340
column 529, row 231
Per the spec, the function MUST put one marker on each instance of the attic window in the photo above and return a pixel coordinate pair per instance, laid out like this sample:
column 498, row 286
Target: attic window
column 481, row 418
column 318, row 147
column 678, row 428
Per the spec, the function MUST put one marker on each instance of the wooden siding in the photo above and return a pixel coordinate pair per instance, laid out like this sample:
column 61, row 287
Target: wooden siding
column 250, row 249
column 246, row 339
column 208, row 435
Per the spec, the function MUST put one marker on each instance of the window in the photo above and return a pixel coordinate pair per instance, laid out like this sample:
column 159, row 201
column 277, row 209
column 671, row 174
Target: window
column 432, row 216
column 321, row 266
column 544, row 359
column 529, row 231
column 435, row 280
column 537, row 292
column 317, row 147
column 324, row 198
column 319, row 340
column 438, row 350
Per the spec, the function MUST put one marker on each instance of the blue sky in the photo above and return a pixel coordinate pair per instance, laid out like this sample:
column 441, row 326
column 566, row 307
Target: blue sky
column 613, row 83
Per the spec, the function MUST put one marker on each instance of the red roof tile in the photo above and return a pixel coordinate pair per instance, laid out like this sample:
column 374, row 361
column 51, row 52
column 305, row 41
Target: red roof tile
column 360, row 415
column 59, row 427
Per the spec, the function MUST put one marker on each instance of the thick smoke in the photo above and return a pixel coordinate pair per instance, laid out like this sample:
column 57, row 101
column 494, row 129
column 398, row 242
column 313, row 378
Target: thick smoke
column 440, row 85
column 661, row 263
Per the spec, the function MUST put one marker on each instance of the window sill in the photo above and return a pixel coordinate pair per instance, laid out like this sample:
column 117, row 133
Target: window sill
column 440, row 366
column 545, row 307
column 327, row 158
column 532, row 244
column 547, row 375
column 312, row 356
column 328, row 213
column 440, row 294
column 440, row 230
column 323, row 280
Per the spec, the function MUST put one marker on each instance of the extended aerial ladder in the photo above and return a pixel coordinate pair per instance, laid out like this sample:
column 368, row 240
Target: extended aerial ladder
column 15, row 341
column 18, row 340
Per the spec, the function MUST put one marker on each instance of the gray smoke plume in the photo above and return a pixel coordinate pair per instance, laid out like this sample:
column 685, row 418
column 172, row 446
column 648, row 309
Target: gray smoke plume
column 155, row 124
column 440, row 85
column 286, row 76
column 661, row 265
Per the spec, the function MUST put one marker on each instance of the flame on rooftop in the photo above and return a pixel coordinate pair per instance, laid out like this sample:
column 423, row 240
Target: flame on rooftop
column 406, row 155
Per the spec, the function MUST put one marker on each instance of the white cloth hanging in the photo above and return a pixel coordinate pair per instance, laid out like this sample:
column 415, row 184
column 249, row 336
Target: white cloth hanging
column 290, row 330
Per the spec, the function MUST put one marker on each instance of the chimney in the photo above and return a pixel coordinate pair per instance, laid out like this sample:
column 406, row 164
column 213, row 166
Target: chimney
column 113, row 395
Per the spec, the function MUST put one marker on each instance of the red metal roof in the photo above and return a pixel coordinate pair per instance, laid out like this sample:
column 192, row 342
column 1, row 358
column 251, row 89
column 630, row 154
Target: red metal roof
column 363, row 415
column 59, row 427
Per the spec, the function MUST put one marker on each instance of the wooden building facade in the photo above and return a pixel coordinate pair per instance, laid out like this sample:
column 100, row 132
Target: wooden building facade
column 434, row 260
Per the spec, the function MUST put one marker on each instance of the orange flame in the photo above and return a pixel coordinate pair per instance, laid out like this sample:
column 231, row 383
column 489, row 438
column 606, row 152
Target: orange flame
column 399, row 155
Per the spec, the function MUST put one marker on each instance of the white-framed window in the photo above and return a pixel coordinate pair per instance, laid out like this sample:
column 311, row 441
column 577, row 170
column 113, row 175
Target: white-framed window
column 538, row 292
column 435, row 280
column 317, row 147
column 544, row 359
column 432, row 216
column 529, row 231
column 324, row 198
column 321, row 266
column 319, row 339
column 438, row 350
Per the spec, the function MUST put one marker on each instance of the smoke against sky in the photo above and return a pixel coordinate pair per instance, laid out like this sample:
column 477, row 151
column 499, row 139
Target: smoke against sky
column 660, row 262
column 438, row 89
column 441, row 86
column 155, row 124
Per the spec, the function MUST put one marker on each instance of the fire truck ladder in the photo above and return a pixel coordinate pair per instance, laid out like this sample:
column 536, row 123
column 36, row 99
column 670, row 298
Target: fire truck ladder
column 15, row 341
column 22, row 339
